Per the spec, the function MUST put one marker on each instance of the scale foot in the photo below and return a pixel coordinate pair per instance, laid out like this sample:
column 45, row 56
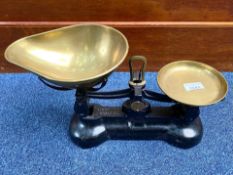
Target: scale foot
column 186, row 136
column 87, row 135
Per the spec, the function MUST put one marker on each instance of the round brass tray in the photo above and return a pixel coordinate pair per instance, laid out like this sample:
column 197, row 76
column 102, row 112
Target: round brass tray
column 71, row 56
column 192, row 83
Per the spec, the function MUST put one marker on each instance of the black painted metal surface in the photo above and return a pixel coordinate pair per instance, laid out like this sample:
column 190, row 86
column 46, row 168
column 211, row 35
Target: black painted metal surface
column 92, row 124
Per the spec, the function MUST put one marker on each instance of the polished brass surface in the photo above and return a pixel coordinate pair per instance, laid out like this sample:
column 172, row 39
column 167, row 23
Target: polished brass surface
column 71, row 56
column 192, row 83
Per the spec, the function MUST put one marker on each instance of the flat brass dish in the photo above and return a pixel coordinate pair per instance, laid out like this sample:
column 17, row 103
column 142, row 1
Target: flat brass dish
column 71, row 56
column 192, row 83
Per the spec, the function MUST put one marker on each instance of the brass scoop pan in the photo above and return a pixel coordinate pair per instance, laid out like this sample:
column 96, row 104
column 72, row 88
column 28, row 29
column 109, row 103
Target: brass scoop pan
column 78, row 55
column 192, row 83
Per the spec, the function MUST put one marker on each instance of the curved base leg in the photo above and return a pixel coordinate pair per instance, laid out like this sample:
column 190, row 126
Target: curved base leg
column 186, row 135
column 85, row 134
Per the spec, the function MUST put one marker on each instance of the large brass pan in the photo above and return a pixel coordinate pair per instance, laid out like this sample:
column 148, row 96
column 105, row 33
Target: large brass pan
column 192, row 83
column 79, row 55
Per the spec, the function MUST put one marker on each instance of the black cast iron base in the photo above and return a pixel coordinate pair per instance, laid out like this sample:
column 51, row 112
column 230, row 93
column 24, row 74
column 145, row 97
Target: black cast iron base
column 162, row 123
column 91, row 125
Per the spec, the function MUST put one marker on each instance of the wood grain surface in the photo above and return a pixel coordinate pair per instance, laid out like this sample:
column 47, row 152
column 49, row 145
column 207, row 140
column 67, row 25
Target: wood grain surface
column 116, row 10
column 162, row 30
column 160, row 45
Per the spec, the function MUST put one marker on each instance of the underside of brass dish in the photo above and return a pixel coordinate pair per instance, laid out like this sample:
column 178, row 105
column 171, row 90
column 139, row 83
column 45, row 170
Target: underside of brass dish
column 192, row 83
column 71, row 56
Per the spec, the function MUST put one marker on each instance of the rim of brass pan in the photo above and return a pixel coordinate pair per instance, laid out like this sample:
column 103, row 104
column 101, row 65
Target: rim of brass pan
column 72, row 55
column 192, row 83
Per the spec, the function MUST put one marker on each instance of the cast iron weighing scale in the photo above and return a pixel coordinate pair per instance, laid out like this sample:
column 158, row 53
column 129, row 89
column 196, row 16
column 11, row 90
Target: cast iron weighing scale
column 81, row 57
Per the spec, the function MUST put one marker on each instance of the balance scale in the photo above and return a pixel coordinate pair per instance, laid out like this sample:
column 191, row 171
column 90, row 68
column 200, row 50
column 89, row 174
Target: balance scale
column 81, row 57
